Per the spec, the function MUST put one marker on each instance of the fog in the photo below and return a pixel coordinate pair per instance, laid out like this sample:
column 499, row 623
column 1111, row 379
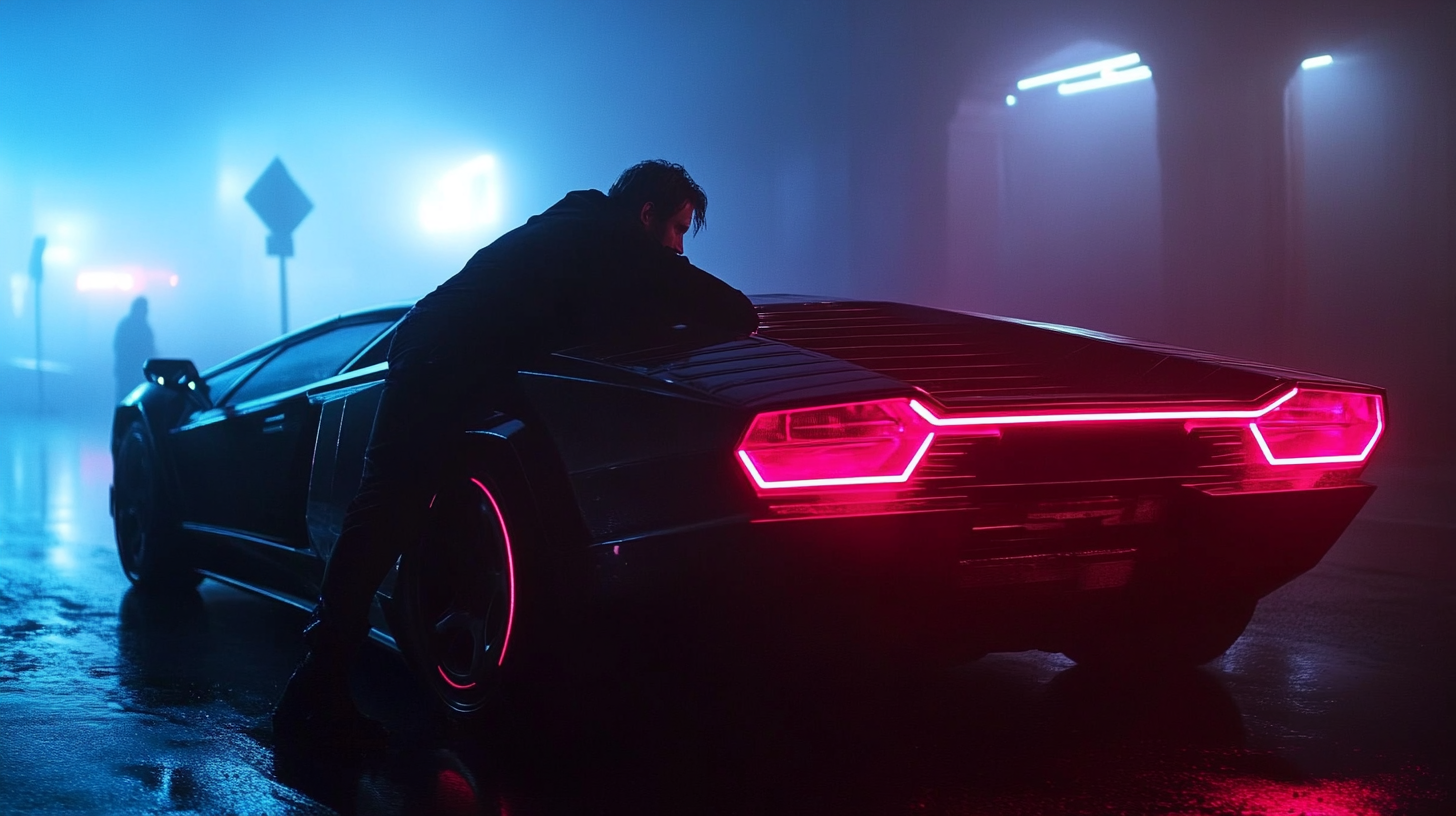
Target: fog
column 131, row 132
column 852, row 148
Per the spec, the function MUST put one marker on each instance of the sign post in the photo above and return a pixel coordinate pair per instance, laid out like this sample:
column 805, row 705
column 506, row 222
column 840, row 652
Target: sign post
column 37, row 274
column 282, row 206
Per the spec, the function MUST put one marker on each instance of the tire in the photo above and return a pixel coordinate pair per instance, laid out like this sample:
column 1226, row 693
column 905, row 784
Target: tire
column 148, row 538
column 458, row 595
column 1171, row 633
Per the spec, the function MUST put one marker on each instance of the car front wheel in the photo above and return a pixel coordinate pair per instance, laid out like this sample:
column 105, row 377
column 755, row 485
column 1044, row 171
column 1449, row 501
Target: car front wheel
column 147, row 536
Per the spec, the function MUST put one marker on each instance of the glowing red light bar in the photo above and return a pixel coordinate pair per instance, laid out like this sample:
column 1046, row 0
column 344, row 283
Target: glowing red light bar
column 861, row 443
column 1104, row 416
column 1319, row 428
column 896, row 478
column 882, row 442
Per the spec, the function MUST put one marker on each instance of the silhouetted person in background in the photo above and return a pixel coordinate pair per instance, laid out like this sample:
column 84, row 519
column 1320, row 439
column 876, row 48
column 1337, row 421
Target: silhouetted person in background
column 133, row 346
column 592, row 267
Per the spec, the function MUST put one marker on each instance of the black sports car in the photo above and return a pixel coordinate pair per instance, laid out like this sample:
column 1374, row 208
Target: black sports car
column 888, row 474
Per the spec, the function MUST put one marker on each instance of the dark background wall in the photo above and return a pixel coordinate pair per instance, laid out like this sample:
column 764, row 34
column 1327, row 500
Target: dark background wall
column 855, row 148
column 1304, row 217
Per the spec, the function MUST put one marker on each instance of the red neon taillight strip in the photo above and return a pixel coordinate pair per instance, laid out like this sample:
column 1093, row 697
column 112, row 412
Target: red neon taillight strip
column 510, row 576
column 989, row 424
column 1322, row 460
column 1108, row 416
column 898, row 478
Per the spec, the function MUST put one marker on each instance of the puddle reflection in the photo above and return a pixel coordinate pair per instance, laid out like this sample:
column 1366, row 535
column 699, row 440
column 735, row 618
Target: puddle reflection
column 55, row 487
column 1012, row 734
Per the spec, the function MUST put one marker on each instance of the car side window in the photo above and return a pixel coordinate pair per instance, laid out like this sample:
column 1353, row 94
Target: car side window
column 219, row 382
column 308, row 361
column 375, row 354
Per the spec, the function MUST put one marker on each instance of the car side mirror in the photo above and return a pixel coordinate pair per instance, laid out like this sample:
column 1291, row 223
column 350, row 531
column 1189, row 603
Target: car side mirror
column 176, row 375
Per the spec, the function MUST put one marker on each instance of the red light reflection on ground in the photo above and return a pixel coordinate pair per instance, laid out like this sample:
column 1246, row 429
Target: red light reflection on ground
column 1153, row 789
column 1374, row 796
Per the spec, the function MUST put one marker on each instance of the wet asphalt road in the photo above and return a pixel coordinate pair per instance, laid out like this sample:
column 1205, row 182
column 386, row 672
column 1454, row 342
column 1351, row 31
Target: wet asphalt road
column 1338, row 701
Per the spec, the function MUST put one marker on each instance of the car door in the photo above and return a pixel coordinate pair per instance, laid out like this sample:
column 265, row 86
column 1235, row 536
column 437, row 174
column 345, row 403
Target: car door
column 250, row 456
column 346, row 405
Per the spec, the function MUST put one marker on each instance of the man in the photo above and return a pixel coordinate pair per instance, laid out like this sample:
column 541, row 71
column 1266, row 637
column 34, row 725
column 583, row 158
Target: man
column 133, row 344
column 591, row 267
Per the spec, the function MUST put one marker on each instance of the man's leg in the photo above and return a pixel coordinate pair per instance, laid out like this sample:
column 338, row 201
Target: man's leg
column 407, row 449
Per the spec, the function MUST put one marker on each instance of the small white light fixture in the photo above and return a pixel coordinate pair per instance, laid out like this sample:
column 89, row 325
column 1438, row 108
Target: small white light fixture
column 1317, row 62
column 465, row 198
column 1010, row 100
column 1078, row 71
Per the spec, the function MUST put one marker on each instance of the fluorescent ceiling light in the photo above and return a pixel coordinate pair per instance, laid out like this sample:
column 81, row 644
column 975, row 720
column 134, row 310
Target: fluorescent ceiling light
column 1317, row 62
column 1099, row 67
column 1106, row 80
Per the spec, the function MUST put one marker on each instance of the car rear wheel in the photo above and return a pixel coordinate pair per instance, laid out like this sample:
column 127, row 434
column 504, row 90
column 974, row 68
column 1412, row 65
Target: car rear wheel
column 147, row 535
column 458, row 595
column 1169, row 633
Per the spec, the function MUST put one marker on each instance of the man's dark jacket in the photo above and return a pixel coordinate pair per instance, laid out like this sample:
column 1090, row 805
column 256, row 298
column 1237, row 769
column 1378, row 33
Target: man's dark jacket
column 583, row 271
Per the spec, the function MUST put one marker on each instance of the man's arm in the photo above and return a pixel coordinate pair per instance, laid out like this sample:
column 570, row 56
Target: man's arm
column 699, row 300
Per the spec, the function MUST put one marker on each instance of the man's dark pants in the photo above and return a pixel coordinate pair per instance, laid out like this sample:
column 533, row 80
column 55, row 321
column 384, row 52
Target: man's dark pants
column 420, row 417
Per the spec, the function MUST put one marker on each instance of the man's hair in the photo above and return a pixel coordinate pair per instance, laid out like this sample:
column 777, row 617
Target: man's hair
column 666, row 185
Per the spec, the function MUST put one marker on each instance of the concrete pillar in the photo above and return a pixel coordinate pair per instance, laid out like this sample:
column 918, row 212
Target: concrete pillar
column 904, row 94
column 973, row 212
column 1226, row 232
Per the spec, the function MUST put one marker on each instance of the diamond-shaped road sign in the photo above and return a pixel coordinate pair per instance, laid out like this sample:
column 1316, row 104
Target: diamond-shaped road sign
column 281, row 204
column 276, row 198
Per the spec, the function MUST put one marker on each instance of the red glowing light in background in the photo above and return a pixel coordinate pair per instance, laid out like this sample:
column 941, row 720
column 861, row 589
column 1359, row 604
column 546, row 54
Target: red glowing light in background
column 125, row 278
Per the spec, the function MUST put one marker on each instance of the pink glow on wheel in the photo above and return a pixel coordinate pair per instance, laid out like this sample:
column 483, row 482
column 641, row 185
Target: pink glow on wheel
column 453, row 684
column 510, row 571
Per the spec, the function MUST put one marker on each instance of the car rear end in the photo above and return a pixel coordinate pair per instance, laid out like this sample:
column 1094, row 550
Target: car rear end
column 1004, row 484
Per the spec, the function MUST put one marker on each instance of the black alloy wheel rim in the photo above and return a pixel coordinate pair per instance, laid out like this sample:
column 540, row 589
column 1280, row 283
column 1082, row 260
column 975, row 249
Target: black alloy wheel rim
column 462, row 597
